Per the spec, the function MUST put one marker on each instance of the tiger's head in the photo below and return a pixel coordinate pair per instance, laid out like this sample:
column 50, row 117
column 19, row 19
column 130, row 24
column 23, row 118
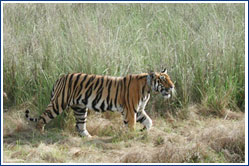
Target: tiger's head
column 161, row 82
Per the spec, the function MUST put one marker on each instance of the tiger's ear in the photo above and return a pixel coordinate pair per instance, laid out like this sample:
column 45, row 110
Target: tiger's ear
column 164, row 71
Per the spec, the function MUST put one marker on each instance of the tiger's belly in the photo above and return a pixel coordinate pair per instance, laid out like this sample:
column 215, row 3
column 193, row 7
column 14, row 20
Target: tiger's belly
column 102, row 106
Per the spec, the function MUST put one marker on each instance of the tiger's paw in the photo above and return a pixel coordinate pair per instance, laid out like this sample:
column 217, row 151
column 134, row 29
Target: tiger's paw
column 40, row 127
column 84, row 134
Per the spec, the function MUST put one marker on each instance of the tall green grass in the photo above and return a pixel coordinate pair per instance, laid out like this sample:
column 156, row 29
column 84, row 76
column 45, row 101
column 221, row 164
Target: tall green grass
column 202, row 45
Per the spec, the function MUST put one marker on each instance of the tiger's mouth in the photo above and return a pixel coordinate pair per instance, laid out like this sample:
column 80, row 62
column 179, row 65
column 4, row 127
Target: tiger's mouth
column 166, row 93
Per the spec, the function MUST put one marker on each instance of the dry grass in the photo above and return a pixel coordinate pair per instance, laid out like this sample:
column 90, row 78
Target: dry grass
column 197, row 139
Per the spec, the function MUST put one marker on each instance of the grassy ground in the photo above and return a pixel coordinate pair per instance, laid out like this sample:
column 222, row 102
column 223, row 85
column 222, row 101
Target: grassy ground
column 196, row 139
column 202, row 45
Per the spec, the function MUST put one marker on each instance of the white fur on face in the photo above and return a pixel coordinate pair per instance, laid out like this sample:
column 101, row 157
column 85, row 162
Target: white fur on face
column 167, row 96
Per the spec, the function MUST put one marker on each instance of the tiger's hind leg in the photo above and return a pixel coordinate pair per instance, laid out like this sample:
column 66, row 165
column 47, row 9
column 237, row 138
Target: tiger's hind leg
column 80, row 116
column 50, row 113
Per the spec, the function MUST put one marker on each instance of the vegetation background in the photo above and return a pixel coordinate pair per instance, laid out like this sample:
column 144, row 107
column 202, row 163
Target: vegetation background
column 201, row 45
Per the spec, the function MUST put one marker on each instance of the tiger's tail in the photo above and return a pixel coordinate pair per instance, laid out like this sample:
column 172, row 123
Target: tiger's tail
column 30, row 118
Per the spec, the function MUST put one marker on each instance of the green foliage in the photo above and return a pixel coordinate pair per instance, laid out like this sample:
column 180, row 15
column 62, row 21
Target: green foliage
column 202, row 45
column 159, row 141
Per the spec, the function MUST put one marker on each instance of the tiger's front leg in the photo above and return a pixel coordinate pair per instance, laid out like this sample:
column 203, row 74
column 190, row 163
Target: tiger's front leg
column 130, row 119
column 144, row 119
column 132, row 123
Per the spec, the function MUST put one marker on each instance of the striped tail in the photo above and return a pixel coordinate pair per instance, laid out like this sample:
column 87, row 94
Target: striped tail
column 29, row 118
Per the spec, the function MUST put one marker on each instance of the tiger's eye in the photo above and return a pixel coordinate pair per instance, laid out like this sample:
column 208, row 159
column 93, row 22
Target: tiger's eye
column 162, row 78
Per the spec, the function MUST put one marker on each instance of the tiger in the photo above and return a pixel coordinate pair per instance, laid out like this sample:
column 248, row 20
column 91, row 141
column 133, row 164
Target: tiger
column 127, row 95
